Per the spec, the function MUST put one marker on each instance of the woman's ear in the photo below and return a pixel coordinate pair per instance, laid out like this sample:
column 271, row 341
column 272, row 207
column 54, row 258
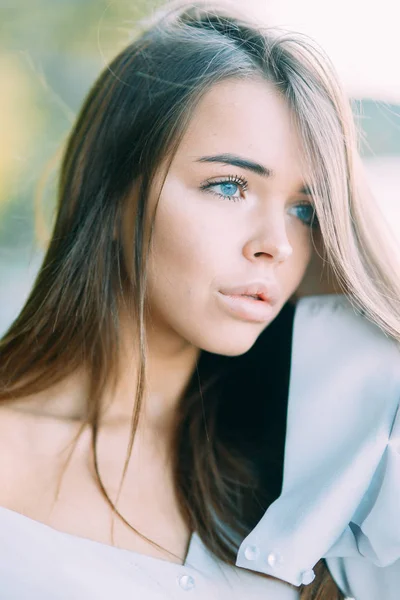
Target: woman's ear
column 319, row 277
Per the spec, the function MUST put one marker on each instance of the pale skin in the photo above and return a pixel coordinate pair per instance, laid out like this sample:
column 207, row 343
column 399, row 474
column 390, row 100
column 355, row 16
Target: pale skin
column 202, row 242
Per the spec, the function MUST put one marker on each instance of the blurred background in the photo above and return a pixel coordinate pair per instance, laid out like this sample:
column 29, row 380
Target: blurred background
column 51, row 51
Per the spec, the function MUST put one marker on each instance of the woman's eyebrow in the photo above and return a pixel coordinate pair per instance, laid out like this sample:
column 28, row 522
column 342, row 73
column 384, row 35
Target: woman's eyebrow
column 244, row 163
column 238, row 161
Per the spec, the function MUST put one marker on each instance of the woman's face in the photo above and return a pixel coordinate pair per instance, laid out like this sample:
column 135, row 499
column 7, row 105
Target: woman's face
column 233, row 211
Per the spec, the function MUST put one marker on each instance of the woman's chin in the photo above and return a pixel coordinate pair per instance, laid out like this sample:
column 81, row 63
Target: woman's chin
column 230, row 345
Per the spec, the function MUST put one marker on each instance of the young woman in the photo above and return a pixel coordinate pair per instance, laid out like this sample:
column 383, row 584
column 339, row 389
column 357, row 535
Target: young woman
column 177, row 417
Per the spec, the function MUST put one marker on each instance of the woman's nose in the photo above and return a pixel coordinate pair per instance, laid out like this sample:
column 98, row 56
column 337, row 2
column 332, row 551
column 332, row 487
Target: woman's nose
column 272, row 242
column 279, row 252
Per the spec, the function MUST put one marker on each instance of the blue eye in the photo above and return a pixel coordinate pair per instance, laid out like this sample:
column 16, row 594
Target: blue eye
column 306, row 213
column 230, row 188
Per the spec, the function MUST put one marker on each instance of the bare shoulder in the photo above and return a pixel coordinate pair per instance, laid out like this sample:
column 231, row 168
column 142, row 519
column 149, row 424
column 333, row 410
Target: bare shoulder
column 26, row 428
column 32, row 448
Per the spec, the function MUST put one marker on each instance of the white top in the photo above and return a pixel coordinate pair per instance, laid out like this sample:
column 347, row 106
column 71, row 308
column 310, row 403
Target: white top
column 340, row 498
column 38, row 562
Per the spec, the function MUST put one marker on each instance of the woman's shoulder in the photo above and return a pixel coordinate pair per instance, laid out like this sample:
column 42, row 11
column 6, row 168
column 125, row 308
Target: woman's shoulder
column 346, row 354
column 340, row 318
column 343, row 432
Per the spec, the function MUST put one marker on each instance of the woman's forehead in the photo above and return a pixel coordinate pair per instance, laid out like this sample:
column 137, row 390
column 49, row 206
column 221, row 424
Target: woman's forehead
column 247, row 119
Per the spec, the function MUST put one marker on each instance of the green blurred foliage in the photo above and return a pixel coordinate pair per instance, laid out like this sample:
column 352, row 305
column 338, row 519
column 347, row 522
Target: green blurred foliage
column 51, row 51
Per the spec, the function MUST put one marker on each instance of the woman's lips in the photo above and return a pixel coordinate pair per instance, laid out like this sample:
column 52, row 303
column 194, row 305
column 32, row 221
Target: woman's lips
column 246, row 308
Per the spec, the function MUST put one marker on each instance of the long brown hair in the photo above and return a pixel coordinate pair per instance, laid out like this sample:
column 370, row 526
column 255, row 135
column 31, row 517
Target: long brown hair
column 132, row 121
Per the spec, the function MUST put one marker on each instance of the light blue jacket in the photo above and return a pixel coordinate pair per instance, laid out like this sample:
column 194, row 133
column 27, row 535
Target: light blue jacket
column 341, row 489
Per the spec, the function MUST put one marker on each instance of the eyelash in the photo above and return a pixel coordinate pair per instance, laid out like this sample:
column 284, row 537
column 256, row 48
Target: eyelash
column 240, row 181
column 243, row 184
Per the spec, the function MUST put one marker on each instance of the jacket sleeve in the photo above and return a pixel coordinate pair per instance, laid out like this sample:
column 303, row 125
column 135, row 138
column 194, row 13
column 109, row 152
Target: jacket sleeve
column 373, row 570
column 340, row 497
